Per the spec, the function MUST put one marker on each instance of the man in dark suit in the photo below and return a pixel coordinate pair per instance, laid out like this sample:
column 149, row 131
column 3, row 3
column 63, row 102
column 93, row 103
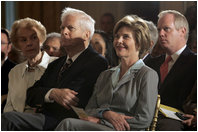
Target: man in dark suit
column 181, row 68
column 68, row 81
column 6, row 65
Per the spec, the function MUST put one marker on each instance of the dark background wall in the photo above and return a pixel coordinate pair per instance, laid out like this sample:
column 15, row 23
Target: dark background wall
column 48, row 12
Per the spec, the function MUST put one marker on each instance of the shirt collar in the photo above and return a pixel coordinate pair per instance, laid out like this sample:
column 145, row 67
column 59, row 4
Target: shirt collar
column 76, row 55
column 177, row 54
column 44, row 63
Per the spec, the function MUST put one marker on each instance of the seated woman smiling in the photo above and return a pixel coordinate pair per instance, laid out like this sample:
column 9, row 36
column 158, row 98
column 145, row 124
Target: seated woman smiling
column 125, row 96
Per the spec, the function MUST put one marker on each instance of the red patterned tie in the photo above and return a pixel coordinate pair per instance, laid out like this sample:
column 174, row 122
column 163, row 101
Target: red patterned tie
column 164, row 68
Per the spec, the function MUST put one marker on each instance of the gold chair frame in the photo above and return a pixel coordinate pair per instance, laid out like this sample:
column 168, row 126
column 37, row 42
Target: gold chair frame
column 154, row 122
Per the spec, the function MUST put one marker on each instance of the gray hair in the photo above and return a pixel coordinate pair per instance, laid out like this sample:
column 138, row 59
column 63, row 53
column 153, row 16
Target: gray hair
column 51, row 36
column 86, row 21
column 153, row 32
column 180, row 20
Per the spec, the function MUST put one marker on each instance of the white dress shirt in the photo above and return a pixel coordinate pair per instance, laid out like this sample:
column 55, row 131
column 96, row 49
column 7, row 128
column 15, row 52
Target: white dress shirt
column 174, row 57
column 20, row 80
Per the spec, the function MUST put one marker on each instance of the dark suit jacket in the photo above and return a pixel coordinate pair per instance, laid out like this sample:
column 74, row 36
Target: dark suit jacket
column 5, row 69
column 180, row 79
column 81, row 77
column 147, row 58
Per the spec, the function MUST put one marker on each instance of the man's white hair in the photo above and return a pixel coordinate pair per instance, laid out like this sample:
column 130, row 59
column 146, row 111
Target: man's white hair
column 86, row 22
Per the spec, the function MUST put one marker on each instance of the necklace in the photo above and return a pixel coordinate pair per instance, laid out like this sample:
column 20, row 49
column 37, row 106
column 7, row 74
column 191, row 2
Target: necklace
column 31, row 68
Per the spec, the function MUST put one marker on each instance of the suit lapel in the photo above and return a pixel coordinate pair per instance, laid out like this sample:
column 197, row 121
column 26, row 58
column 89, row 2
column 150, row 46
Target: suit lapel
column 180, row 63
column 126, row 79
column 76, row 66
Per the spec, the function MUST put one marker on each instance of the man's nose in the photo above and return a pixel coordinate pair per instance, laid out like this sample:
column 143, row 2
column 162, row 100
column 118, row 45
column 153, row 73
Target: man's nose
column 161, row 32
column 65, row 31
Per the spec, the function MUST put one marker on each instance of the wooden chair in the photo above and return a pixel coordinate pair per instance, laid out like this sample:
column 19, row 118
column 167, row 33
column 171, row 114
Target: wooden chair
column 154, row 122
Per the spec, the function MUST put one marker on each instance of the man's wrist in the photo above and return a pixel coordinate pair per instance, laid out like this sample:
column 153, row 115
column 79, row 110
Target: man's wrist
column 101, row 112
column 99, row 121
column 48, row 97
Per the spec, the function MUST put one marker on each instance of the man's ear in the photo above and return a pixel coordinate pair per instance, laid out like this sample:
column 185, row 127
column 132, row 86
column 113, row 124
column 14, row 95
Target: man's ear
column 86, row 35
column 183, row 31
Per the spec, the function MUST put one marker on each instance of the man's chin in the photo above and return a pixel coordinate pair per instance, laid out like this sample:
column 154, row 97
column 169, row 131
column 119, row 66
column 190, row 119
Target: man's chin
column 164, row 45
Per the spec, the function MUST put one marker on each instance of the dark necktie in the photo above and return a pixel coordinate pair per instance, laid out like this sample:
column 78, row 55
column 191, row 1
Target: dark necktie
column 164, row 68
column 66, row 65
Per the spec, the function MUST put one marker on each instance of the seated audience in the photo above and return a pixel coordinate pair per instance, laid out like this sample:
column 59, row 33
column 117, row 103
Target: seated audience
column 52, row 45
column 125, row 96
column 102, row 44
column 6, row 65
column 177, row 68
column 67, row 81
column 27, row 35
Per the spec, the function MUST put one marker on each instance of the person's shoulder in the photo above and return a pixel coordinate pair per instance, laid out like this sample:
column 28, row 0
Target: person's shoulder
column 189, row 56
column 106, row 74
column 52, row 58
column 109, row 71
column 9, row 62
column 92, row 53
column 194, row 55
column 95, row 57
column 99, row 57
column 188, row 52
column 7, row 66
column 47, row 58
column 55, row 60
column 19, row 67
column 147, row 69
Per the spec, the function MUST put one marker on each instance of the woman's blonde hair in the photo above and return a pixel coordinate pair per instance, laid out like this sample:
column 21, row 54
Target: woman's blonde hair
column 27, row 23
column 139, row 30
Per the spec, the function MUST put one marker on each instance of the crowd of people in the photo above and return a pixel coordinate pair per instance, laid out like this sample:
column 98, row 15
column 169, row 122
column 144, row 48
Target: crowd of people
column 115, row 74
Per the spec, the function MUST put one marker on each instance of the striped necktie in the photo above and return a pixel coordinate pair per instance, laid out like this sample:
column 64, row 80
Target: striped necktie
column 66, row 65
